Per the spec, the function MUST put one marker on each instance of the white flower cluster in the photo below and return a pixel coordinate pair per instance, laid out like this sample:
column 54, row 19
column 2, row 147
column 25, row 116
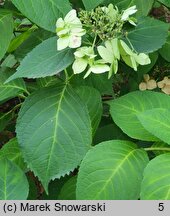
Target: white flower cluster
column 115, row 48
column 70, row 31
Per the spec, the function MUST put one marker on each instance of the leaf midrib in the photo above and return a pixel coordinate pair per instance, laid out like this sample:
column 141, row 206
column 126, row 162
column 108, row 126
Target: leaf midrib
column 115, row 171
column 58, row 108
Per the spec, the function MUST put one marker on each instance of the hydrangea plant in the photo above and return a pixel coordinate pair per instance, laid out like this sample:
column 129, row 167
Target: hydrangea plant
column 71, row 30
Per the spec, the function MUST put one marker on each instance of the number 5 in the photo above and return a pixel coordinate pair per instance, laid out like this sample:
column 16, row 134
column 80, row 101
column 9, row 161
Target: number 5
column 161, row 207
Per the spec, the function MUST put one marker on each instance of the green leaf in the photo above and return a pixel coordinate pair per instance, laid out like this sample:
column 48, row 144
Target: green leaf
column 55, row 188
column 97, row 81
column 92, row 99
column 6, row 31
column 44, row 60
column 112, row 170
column 48, row 81
column 12, row 152
column 4, row 120
column 109, row 132
column 43, row 13
column 91, row 4
column 149, row 35
column 11, row 89
column 53, row 131
column 160, row 148
column 9, row 61
column 126, row 109
column 165, row 50
column 121, row 4
column 156, row 181
column 165, row 2
column 13, row 182
column 17, row 41
column 35, row 38
column 160, row 118
column 143, row 7
column 68, row 191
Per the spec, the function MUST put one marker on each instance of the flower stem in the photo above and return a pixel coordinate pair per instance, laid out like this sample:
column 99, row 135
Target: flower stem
column 94, row 41
column 66, row 75
column 17, row 106
column 71, row 77
column 157, row 149
column 130, row 44
column 13, row 109
column 22, row 96
column 27, row 92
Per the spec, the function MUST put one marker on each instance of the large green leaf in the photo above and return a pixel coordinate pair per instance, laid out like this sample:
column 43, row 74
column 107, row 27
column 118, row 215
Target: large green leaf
column 143, row 6
column 91, row 4
column 112, row 170
column 48, row 81
column 9, row 61
column 157, row 122
column 6, row 31
column 11, row 89
column 12, row 152
column 54, row 132
column 156, row 182
column 35, row 38
column 109, row 132
column 125, row 111
column 13, row 182
column 165, row 50
column 55, row 188
column 149, row 35
column 18, row 40
column 121, row 4
column 97, row 81
column 93, row 100
column 165, row 2
column 44, row 13
column 44, row 60
column 68, row 191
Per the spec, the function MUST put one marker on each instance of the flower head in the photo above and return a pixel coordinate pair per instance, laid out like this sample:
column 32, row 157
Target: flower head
column 127, row 13
column 69, row 31
column 85, row 57
column 131, row 58
column 110, row 54
column 111, row 11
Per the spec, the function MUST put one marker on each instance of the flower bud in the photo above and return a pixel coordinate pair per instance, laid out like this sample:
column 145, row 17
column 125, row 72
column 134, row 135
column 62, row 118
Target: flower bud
column 151, row 84
column 161, row 84
column 146, row 77
column 166, row 89
column 142, row 86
